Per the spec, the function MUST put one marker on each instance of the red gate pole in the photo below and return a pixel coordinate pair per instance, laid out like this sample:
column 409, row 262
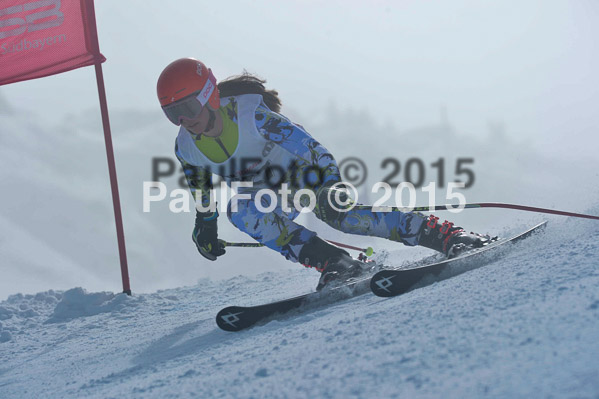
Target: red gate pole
column 116, row 203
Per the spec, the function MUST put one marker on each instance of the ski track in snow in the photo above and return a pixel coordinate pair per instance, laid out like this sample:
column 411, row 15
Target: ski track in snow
column 525, row 325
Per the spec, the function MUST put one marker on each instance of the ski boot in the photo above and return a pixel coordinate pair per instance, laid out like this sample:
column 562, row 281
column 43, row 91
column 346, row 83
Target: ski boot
column 450, row 240
column 332, row 262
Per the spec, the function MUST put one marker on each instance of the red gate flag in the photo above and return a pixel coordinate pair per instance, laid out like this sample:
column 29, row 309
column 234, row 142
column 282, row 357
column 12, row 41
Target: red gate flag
column 46, row 37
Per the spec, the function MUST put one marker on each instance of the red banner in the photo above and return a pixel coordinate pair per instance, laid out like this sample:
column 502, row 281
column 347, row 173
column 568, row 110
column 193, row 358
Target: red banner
column 46, row 37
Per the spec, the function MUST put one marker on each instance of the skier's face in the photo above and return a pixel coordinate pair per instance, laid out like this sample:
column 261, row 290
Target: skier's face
column 208, row 122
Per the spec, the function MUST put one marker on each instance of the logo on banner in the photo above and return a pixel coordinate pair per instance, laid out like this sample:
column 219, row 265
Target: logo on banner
column 30, row 22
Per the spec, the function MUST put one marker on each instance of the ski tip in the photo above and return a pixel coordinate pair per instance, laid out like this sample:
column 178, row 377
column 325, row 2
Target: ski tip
column 381, row 284
column 229, row 319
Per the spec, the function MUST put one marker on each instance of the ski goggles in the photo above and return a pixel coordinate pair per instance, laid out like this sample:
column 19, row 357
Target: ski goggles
column 191, row 106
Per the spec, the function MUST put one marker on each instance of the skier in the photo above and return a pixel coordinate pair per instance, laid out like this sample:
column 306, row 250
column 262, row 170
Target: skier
column 237, row 120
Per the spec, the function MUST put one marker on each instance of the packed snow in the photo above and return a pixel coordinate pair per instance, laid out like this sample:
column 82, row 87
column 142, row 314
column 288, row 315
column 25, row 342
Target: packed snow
column 524, row 325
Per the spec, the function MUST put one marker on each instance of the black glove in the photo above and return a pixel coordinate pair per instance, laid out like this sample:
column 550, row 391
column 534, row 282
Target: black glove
column 324, row 211
column 205, row 235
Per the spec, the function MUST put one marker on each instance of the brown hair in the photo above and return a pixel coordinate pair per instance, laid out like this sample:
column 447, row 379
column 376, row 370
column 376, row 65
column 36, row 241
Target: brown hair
column 247, row 83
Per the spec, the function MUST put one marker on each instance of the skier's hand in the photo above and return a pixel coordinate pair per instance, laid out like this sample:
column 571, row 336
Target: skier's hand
column 205, row 236
column 331, row 202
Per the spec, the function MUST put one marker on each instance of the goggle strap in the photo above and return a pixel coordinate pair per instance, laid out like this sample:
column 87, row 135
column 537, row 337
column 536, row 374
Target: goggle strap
column 207, row 90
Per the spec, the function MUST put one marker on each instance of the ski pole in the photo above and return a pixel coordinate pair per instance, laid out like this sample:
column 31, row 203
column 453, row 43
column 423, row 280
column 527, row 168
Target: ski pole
column 486, row 205
column 367, row 251
column 241, row 244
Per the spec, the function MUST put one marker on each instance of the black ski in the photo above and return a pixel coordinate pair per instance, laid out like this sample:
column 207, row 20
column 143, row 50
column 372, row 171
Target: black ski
column 236, row 318
column 392, row 282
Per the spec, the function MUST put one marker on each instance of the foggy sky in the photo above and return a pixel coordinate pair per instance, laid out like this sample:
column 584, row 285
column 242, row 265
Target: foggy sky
column 531, row 65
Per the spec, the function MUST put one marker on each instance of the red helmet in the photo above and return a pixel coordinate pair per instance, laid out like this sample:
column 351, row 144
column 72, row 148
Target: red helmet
column 184, row 87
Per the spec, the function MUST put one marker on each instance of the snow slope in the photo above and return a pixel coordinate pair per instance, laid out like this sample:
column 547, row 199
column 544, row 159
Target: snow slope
column 523, row 326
